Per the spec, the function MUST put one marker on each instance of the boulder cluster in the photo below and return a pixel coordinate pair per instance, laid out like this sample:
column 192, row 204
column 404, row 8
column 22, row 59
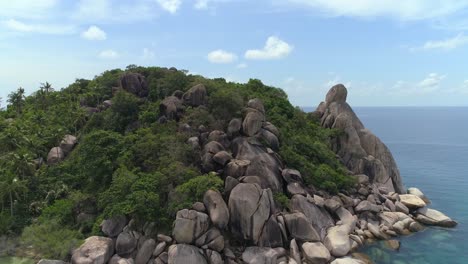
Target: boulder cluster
column 245, row 224
column 57, row 154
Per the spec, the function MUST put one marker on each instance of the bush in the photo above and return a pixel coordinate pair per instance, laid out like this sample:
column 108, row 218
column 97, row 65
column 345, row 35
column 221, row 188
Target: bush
column 193, row 190
column 51, row 239
column 61, row 211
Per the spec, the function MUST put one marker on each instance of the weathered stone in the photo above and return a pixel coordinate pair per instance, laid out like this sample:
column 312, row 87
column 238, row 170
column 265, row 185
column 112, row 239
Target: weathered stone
column 164, row 238
column 290, row 175
column 184, row 254
column 194, row 142
column 145, row 252
column 222, row 157
column 433, row 217
column 294, row 188
column 220, row 137
column 134, row 83
column 50, row 261
column 399, row 207
column 171, row 107
column 113, row 227
column 392, row 244
column 300, row 228
column 260, row 255
column 367, row 206
column 294, row 251
column 270, row 139
column 189, row 225
column 195, row 96
column 412, row 201
column 267, row 167
column 68, row 143
column 252, row 123
column 55, row 156
column 337, row 240
column 212, row 239
column 360, row 150
column 249, row 208
column 199, row 206
column 116, row 259
column 213, row 257
column 315, row 253
column 159, row 248
column 272, row 128
column 229, row 184
column 217, row 208
column 418, row 193
column 271, row 235
column 317, row 216
column 125, row 244
column 347, row 260
column 95, row 250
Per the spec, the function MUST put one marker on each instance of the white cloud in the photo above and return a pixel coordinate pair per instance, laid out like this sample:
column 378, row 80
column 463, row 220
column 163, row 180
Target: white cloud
column 108, row 54
column 201, row 4
column 431, row 82
column 16, row 25
column 403, row 10
column 148, row 54
column 242, row 65
column 94, row 33
column 170, row 6
column 26, row 8
column 447, row 44
column 221, row 56
column 274, row 48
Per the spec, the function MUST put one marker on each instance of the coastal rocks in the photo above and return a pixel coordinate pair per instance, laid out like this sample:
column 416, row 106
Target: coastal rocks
column 126, row 243
column 49, row 261
column 433, row 217
column 361, row 151
column 347, row 260
column 145, row 252
column 195, row 96
column 134, row 83
column 189, row 225
column 96, row 250
column 315, row 253
column 418, row 193
column 217, row 209
column 299, row 228
column 320, row 219
column 392, row 244
column 249, row 208
column 260, row 255
column 412, row 201
column 337, row 240
column 183, row 254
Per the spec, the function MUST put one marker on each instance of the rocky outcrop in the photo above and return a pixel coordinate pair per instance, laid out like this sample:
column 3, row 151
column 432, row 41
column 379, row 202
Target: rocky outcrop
column 58, row 154
column 361, row 151
column 433, row 217
column 189, row 225
column 134, row 83
column 195, row 96
column 55, row 156
column 217, row 209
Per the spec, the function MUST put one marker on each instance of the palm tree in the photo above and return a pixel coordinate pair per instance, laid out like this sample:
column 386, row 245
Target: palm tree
column 11, row 187
column 16, row 99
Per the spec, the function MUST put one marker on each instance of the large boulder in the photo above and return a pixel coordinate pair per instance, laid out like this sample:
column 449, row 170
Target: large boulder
column 418, row 193
column 55, row 156
column 260, row 255
column 234, row 127
column 134, row 83
column 145, row 252
column 195, row 96
column 347, row 260
column 217, row 209
column 113, row 227
column 212, row 239
column 68, row 143
column 433, row 217
column 116, row 259
column 315, row 253
column 252, row 123
column 184, row 254
column 249, row 208
column 267, row 167
column 189, row 225
column 272, row 235
column 320, row 219
column 300, row 228
column 126, row 243
column 360, row 150
column 412, row 201
column 171, row 107
column 337, row 240
column 50, row 261
column 95, row 250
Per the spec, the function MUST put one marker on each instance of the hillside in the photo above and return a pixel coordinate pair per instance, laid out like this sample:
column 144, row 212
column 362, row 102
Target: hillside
column 161, row 155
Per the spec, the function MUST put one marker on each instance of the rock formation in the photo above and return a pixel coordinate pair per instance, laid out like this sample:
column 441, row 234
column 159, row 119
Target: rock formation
column 360, row 150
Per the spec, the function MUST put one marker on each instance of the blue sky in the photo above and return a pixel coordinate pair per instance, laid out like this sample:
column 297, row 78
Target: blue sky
column 387, row 52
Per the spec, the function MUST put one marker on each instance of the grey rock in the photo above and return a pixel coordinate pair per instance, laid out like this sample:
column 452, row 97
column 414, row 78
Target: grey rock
column 412, row 201
column 159, row 248
column 195, row 96
column 234, row 127
column 134, row 83
column 55, row 156
column 256, row 104
column 320, row 219
column 367, row 206
column 50, row 261
column 68, row 143
column 185, row 254
column 113, row 227
column 145, row 252
column 95, row 250
column 270, row 127
column 189, row 225
column 260, row 255
column 213, row 257
column 220, row 137
column 125, row 244
column 236, row 168
column 252, row 123
column 164, row 238
column 300, row 228
column 315, row 253
column 199, row 206
column 171, row 107
column 337, row 240
column 294, row 251
column 433, row 217
column 272, row 234
column 222, row 157
column 116, row 259
column 212, row 239
column 294, row 188
column 291, row 175
column 360, row 150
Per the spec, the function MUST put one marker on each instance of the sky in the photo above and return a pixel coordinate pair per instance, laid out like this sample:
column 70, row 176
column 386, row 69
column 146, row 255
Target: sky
column 386, row 52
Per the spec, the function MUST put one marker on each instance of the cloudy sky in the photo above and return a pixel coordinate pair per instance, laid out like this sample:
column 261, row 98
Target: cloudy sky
column 387, row 52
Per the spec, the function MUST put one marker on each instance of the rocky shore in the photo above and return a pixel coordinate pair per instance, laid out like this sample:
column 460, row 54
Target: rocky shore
column 245, row 224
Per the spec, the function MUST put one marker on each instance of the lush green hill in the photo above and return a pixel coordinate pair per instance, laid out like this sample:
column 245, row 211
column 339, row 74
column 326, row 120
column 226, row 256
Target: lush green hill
column 127, row 161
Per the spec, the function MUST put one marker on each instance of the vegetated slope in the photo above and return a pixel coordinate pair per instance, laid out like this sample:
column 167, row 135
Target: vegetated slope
column 129, row 160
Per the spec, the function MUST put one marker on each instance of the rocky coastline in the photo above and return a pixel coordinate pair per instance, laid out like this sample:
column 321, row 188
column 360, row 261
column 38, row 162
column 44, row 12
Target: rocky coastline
column 245, row 224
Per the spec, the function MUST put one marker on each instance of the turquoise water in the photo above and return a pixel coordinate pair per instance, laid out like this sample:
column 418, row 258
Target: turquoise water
column 430, row 146
column 13, row 260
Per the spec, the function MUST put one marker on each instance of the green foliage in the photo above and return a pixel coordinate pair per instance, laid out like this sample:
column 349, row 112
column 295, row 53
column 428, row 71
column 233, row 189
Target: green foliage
column 193, row 190
column 226, row 104
column 61, row 212
column 281, row 199
column 51, row 239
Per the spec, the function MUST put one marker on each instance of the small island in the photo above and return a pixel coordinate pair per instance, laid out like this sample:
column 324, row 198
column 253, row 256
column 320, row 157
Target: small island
column 156, row 165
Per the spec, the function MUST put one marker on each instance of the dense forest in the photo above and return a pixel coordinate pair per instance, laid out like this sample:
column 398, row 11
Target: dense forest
column 128, row 159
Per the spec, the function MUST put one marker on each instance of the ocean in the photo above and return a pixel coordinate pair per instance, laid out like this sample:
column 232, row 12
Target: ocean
column 430, row 145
